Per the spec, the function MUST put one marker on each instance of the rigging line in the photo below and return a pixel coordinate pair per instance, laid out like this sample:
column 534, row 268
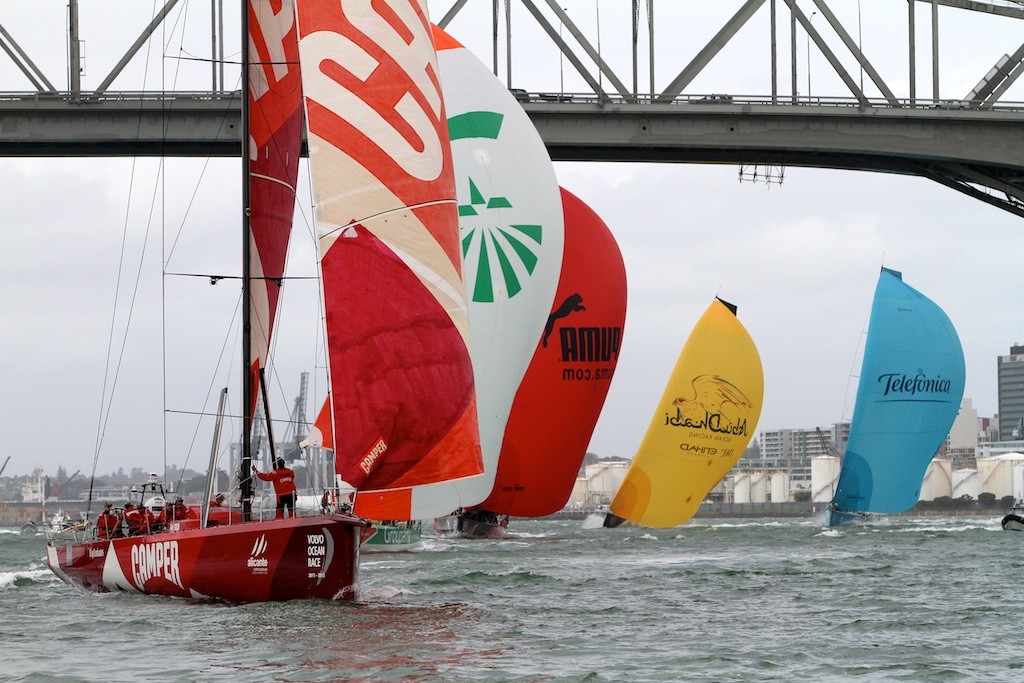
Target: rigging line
column 319, row 343
column 195, row 192
column 131, row 305
column 283, row 296
column 228, row 415
column 388, row 212
column 188, row 209
column 166, row 56
column 853, row 363
column 209, row 60
column 217, row 278
column 163, row 280
column 105, row 403
column 210, row 390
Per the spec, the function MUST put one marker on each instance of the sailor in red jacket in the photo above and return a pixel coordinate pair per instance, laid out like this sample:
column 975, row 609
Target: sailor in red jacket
column 108, row 525
column 284, row 486
column 133, row 520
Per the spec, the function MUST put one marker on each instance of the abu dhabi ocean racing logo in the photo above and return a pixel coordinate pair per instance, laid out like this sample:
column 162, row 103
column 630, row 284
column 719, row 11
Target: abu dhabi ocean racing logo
column 717, row 405
column 502, row 250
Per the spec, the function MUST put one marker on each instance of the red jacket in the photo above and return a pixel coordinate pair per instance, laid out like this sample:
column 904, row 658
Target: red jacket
column 176, row 512
column 283, row 478
column 107, row 525
column 139, row 520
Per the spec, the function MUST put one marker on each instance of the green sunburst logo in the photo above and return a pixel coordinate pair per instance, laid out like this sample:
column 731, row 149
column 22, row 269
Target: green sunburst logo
column 487, row 240
column 518, row 242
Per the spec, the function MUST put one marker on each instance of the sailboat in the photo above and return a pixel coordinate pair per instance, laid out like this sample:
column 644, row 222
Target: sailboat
column 911, row 384
column 700, row 428
column 395, row 312
column 392, row 537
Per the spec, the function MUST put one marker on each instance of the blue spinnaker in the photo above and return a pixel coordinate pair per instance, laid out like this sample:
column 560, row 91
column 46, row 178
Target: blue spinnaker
column 911, row 384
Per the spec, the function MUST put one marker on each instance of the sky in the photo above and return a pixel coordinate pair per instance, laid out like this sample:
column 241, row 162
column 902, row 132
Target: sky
column 800, row 259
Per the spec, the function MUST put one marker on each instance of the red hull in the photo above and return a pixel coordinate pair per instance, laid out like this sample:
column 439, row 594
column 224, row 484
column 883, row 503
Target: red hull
column 286, row 559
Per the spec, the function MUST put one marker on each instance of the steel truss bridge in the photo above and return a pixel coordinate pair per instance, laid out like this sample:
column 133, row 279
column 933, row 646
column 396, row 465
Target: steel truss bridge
column 973, row 143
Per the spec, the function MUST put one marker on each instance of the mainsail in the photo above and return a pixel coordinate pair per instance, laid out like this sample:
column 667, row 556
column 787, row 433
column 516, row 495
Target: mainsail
column 275, row 141
column 703, row 423
column 911, row 384
column 560, row 398
column 510, row 216
column 402, row 396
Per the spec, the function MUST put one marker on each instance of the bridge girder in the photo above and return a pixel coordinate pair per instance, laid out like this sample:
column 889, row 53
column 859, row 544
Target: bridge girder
column 980, row 153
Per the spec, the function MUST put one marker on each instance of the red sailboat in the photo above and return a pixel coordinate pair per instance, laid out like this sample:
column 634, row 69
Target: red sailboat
column 391, row 282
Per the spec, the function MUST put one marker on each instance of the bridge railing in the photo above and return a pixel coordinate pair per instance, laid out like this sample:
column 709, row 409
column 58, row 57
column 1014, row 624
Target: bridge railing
column 541, row 97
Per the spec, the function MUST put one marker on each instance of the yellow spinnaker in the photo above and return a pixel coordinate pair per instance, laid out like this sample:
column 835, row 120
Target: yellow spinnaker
column 704, row 421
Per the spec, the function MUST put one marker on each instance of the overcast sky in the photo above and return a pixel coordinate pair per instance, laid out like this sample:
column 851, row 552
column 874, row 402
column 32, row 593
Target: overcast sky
column 799, row 259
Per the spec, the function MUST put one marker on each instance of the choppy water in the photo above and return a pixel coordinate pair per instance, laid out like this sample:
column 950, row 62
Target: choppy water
column 916, row 599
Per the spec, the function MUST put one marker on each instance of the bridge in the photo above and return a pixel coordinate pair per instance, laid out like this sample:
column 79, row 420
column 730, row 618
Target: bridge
column 872, row 118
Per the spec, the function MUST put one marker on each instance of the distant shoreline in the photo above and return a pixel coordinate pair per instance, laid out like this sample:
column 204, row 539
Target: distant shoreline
column 18, row 514
column 971, row 508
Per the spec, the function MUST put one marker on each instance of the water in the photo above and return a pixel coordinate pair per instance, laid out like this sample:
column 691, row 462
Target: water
column 930, row 598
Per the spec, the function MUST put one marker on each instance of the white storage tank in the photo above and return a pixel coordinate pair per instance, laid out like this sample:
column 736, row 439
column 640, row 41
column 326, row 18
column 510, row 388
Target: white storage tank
column 604, row 479
column 938, row 480
column 758, row 487
column 780, row 487
column 824, row 474
column 580, row 489
column 741, row 488
column 1002, row 475
column 966, row 483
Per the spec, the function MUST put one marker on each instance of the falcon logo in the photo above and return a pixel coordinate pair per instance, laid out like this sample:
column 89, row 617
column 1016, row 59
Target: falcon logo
column 717, row 405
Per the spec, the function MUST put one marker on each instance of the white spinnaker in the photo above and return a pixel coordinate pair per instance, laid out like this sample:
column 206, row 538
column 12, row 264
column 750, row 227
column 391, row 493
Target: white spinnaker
column 510, row 208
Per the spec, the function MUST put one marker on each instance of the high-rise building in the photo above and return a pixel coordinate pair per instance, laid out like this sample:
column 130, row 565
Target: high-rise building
column 1010, row 375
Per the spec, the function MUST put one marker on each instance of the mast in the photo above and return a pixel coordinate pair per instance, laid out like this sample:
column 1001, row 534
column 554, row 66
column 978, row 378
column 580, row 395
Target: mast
column 245, row 461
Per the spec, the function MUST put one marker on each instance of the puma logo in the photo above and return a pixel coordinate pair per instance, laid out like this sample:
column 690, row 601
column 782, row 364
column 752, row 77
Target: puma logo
column 573, row 303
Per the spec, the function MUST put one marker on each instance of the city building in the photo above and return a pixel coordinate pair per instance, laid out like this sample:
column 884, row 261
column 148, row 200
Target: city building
column 1010, row 377
column 791, row 450
column 964, row 436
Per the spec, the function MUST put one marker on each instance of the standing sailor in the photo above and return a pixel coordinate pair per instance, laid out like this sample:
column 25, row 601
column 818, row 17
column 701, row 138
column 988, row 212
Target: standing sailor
column 284, row 486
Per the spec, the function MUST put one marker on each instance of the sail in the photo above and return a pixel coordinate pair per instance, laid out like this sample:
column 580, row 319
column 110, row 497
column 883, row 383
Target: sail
column 512, row 238
column 703, row 423
column 510, row 217
column 275, row 141
column 911, row 383
column 401, row 380
column 560, row 398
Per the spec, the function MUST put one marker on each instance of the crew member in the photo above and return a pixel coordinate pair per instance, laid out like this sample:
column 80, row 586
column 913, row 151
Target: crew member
column 132, row 520
column 178, row 510
column 218, row 501
column 108, row 525
column 284, row 486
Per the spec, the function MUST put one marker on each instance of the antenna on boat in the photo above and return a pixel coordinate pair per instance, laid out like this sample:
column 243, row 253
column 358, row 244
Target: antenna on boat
column 245, row 461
